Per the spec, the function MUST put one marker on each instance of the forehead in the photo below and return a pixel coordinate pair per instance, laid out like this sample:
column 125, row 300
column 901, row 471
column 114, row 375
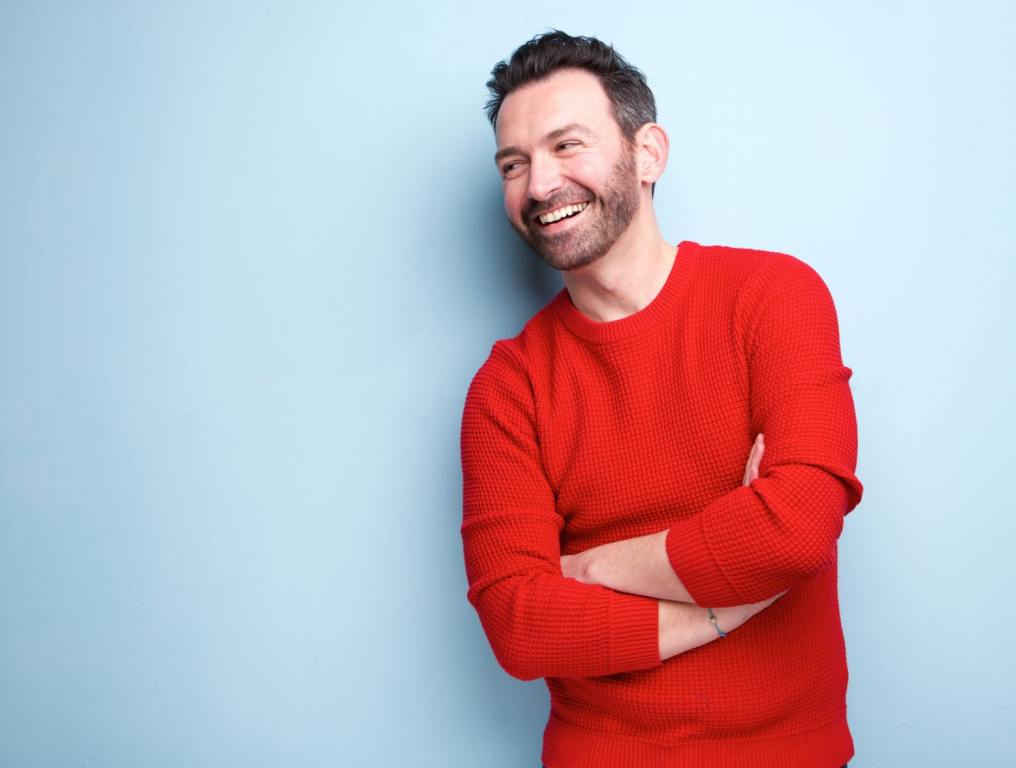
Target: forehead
column 566, row 97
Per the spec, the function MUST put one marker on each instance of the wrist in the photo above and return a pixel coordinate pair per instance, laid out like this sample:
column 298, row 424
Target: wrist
column 588, row 569
column 714, row 620
column 578, row 567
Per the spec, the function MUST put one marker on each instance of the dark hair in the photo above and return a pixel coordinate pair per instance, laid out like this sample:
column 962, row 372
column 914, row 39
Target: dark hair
column 626, row 87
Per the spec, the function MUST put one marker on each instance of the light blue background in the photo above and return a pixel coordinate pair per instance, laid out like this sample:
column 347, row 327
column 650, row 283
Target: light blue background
column 251, row 255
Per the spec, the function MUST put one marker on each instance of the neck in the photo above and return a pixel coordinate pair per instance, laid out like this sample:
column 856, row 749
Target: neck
column 628, row 277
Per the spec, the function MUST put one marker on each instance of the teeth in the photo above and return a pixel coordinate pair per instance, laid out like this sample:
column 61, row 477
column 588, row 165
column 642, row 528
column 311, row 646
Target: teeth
column 559, row 213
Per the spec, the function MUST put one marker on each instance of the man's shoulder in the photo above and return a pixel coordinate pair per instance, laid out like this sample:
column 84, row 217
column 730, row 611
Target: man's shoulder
column 746, row 263
column 536, row 334
column 750, row 276
column 745, row 275
column 731, row 266
column 509, row 359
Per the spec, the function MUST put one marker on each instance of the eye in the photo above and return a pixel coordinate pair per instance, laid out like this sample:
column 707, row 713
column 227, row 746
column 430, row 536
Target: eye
column 510, row 169
column 567, row 145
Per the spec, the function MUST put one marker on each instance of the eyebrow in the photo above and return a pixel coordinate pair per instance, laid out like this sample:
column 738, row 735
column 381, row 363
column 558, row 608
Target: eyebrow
column 555, row 134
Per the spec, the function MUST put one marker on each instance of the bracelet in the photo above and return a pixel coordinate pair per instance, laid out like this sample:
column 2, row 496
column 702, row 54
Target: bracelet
column 712, row 620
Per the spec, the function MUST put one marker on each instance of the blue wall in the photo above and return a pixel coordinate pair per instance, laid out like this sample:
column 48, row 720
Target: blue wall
column 251, row 255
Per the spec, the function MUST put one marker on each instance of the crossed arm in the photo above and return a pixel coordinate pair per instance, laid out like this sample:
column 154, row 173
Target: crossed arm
column 640, row 566
column 622, row 606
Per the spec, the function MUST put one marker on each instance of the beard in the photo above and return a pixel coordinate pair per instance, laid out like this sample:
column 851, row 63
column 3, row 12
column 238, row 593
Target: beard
column 607, row 217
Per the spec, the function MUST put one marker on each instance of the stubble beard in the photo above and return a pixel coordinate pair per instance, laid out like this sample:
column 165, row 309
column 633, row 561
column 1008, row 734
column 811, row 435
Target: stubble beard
column 609, row 216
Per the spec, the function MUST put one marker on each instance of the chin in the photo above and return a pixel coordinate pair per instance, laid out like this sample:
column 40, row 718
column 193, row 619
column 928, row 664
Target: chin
column 567, row 262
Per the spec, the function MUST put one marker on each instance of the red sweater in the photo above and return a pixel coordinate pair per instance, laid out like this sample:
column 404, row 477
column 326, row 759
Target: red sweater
column 576, row 433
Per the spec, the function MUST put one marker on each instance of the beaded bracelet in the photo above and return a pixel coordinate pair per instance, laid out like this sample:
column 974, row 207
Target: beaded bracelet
column 712, row 620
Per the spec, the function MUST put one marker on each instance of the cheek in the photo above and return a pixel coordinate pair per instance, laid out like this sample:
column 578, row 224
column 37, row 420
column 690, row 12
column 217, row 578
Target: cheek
column 586, row 174
column 589, row 169
column 514, row 199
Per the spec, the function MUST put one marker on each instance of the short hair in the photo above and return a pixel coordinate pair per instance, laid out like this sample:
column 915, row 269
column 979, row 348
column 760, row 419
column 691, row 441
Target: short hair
column 545, row 54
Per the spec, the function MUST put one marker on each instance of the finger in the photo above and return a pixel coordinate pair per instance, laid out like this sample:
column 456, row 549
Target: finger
column 752, row 465
column 760, row 448
column 746, row 477
column 774, row 598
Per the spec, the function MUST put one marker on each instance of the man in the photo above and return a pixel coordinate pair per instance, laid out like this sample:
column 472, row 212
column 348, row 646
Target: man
column 681, row 605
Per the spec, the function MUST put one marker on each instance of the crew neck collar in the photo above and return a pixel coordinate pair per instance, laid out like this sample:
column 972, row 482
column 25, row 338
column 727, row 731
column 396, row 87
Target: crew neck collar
column 647, row 317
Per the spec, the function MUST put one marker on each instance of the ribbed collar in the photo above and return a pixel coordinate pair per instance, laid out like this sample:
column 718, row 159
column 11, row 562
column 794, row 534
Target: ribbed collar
column 669, row 297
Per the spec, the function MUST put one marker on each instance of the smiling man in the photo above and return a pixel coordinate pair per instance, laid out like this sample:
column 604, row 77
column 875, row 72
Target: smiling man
column 629, row 534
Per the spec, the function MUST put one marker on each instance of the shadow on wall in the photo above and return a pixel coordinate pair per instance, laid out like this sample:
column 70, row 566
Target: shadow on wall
column 503, row 285
column 511, row 283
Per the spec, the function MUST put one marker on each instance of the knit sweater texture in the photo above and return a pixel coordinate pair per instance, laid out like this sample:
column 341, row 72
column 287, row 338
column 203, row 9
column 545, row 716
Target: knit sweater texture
column 576, row 433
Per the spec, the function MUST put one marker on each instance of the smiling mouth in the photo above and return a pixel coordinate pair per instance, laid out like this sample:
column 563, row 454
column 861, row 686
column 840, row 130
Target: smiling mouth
column 564, row 212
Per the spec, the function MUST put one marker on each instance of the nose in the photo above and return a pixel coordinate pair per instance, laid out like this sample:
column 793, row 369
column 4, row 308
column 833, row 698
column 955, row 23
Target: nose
column 544, row 177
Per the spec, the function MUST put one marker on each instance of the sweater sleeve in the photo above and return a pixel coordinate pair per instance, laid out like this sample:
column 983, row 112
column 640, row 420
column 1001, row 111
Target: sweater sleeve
column 539, row 623
column 758, row 540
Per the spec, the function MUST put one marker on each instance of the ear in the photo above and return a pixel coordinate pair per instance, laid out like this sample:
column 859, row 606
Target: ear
column 652, row 148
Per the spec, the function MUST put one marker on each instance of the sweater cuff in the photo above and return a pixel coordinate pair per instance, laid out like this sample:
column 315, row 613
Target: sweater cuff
column 694, row 564
column 634, row 632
